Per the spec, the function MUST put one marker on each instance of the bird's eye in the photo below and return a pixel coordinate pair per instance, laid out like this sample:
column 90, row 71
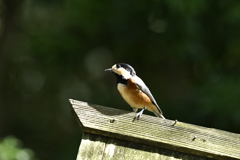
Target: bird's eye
column 118, row 65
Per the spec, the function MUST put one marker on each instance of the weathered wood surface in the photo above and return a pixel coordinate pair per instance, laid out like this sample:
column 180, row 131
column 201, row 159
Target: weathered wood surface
column 95, row 147
column 156, row 132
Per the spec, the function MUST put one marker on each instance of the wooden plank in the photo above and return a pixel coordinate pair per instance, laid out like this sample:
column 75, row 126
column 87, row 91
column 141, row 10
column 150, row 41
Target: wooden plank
column 91, row 147
column 95, row 147
column 122, row 150
column 149, row 130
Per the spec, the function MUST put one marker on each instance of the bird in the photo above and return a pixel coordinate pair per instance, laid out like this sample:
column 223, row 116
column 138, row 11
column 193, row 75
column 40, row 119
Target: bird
column 134, row 91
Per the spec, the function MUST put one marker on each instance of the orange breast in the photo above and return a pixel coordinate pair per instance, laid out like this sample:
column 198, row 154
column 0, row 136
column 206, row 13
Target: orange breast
column 135, row 97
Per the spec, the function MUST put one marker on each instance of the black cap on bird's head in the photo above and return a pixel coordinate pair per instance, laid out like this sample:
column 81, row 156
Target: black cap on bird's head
column 122, row 69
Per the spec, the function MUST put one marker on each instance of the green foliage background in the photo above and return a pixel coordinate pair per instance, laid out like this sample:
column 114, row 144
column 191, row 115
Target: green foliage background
column 187, row 52
column 11, row 149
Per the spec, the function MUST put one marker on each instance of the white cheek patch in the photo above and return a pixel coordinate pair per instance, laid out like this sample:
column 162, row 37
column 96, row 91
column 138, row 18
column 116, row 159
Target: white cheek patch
column 121, row 71
column 127, row 76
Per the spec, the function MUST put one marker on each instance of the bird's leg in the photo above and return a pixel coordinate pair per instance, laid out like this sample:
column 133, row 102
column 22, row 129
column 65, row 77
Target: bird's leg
column 138, row 115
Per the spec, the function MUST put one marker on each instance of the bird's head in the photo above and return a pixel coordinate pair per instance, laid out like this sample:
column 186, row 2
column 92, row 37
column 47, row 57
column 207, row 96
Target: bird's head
column 122, row 69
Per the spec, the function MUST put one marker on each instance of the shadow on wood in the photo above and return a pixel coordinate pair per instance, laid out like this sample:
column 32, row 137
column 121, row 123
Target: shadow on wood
column 109, row 133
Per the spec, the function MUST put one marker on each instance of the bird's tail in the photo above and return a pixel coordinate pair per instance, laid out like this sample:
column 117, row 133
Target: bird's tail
column 162, row 117
column 159, row 115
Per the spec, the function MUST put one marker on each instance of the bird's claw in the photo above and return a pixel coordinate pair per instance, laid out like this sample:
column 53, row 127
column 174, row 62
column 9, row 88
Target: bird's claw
column 138, row 115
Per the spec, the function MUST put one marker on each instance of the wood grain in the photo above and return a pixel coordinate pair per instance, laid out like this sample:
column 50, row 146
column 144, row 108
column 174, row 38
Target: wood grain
column 154, row 131
column 95, row 147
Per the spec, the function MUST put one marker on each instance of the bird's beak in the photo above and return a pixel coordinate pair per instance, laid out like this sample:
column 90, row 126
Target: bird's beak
column 109, row 70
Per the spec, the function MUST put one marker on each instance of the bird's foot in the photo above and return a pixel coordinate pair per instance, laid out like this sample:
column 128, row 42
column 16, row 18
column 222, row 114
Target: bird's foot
column 138, row 115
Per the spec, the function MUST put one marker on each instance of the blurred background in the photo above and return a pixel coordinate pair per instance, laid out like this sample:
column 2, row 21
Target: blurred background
column 187, row 52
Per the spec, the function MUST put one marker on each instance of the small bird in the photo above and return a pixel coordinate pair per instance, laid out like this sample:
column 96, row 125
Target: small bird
column 134, row 91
